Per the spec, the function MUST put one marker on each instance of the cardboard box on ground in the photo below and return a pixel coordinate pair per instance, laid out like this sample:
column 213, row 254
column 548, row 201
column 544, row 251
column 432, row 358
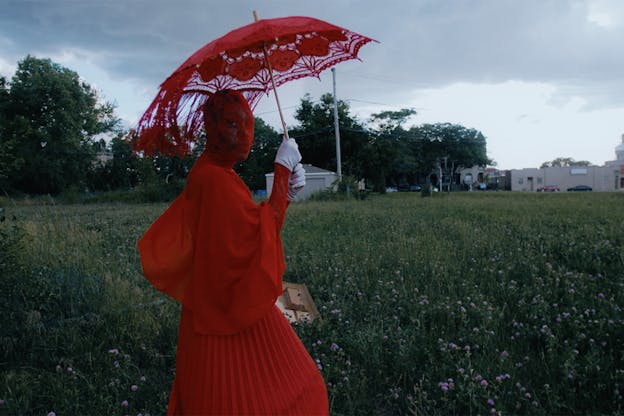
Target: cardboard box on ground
column 296, row 303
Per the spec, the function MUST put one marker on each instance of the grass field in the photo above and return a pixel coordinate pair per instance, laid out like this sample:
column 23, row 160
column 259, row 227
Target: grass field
column 473, row 303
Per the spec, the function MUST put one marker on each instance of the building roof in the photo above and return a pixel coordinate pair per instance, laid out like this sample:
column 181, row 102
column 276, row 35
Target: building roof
column 313, row 169
column 310, row 169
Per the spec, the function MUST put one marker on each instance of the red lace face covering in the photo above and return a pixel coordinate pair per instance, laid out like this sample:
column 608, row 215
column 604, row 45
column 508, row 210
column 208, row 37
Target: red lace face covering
column 229, row 125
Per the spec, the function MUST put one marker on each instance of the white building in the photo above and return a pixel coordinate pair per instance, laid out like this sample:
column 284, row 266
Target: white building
column 317, row 180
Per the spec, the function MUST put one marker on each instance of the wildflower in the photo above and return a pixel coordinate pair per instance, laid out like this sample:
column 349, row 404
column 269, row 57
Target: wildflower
column 334, row 347
column 114, row 351
column 134, row 387
column 601, row 295
column 443, row 386
column 527, row 395
column 484, row 383
column 490, row 402
column 142, row 378
column 493, row 411
column 51, row 414
column 504, row 354
column 2, row 402
column 69, row 369
column 124, row 403
column 467, row 348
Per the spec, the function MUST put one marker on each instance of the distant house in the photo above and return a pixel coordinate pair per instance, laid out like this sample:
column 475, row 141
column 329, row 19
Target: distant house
column 317, row 180
column 478, row 177
column 102, row 157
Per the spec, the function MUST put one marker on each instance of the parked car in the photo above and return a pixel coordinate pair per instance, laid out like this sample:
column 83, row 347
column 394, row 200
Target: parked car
column 580, row 188
column 415, row 188
column 549, row 188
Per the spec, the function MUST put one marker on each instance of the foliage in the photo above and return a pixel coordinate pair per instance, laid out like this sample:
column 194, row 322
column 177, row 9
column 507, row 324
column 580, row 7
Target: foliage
column 457, row 146
column 454, row 305
column 261, row 157
column 341, row 190
column 49, row 118
column 317, row 139
column 564, row 162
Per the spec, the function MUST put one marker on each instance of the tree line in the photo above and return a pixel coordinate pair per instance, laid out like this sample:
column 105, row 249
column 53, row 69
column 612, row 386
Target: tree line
column 52, row 125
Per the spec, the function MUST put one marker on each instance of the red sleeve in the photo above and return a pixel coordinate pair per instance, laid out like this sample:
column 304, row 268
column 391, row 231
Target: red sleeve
column 234, row 274
column 166, row 249
column 279, row 193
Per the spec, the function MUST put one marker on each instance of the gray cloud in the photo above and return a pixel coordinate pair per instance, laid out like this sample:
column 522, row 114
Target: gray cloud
column 424, row 43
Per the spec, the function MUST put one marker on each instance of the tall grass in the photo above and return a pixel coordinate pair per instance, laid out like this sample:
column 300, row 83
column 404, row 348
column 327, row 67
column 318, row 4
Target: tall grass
column 461, row 304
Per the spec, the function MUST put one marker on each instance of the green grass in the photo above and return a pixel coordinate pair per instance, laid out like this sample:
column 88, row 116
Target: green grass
column 429, row 305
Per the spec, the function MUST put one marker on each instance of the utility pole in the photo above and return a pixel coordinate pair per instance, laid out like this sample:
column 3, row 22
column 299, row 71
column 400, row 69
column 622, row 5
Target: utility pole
column 337, row 128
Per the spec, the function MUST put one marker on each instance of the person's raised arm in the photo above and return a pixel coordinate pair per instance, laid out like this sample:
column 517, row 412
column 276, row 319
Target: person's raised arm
column 286, row 160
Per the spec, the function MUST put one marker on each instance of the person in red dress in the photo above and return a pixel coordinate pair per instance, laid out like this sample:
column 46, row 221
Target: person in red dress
column 220, row 255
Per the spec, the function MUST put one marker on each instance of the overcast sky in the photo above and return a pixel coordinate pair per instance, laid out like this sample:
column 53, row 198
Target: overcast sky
column 540, row 78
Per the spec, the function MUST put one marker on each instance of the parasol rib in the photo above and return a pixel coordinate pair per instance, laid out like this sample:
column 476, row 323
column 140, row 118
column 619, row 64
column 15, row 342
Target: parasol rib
column 268, row 63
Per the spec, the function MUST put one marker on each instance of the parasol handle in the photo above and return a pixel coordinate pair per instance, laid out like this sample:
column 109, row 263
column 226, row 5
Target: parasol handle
column 268, row 64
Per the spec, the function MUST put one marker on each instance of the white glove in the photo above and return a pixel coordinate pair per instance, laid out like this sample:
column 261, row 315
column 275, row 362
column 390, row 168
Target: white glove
column 296, row 182
column 288, row 154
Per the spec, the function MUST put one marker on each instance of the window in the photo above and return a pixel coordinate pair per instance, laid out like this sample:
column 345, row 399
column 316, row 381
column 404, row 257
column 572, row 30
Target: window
column 539, row 180
column 578, row 171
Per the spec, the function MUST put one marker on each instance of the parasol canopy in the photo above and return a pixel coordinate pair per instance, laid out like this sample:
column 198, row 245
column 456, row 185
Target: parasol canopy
column 252, row 59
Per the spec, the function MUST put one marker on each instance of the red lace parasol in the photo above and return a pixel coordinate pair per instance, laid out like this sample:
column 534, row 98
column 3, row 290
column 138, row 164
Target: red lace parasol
column 252, row 59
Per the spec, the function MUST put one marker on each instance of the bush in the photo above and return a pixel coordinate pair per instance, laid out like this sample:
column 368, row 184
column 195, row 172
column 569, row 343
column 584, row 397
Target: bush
column 339, row 191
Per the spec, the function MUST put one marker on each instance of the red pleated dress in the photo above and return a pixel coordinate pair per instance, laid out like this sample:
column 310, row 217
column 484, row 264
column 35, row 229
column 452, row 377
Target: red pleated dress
column 220, row 255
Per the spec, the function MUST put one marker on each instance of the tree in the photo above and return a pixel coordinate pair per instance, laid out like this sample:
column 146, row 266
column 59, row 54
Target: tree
column 50, row 120
column 563, row 162
column 261, row 156
column 392, row 121
column 7, row 163
column 385, row 158
column 448, row 144
column 317, row 139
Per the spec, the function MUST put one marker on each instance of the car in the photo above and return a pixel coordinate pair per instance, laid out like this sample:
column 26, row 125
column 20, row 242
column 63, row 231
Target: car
column 580, row 188
column 415, row 188
column 549, row 188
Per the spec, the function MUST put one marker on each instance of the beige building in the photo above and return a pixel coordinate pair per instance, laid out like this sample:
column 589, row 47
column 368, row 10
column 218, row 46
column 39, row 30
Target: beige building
column 599, row 178
column 607, row 178
column 317, row 180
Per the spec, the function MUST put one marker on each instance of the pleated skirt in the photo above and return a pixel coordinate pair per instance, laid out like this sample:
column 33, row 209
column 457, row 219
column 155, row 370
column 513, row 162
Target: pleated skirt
column 263, row 370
